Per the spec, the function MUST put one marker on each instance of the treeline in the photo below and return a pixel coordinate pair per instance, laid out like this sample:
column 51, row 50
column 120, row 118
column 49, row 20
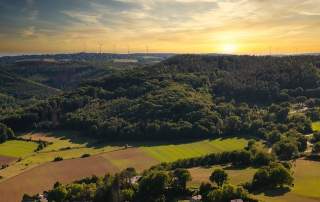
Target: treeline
column 186, row 97
column 5, row 133
column 155, row 186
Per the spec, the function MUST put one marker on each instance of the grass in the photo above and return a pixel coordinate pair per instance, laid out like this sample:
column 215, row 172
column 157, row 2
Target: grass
column 236, row 176
column 77, row 146
column 68, row 144
column 17, row 148
column 172, row 152
column 306, row 185
column 316, row 126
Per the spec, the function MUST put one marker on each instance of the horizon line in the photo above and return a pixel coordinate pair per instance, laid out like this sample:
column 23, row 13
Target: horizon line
column 151, row 53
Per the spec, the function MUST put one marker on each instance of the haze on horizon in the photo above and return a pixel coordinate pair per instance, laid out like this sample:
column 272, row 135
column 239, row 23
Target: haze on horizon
column 200, row 26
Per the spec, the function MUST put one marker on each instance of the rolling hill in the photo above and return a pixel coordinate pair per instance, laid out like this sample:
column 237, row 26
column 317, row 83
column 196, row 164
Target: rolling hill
column 15, row 86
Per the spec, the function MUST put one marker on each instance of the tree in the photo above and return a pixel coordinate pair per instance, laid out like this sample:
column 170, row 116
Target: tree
column 5, row 133
column 302, row 143
column 316, row 148
column 241, row 158
column 316, row 137
column 274, row 136
column 227, row 193
column 262, row 158
column 126, row 176
column 153, row 186
column 58, row 193
column 204, row 189
column 181, row 177
column 233, row 124
column 272, row 176
column 219, row 176
column 286, row 149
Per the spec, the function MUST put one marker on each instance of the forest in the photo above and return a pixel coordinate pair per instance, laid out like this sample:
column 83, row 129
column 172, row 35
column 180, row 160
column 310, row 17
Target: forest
column 186, row 96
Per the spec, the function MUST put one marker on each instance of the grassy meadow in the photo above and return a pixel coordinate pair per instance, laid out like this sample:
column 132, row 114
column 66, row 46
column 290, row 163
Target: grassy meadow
column 69, row 145
column 17, row 148
column 172, row 152
column 236, row 176
column 306, row 185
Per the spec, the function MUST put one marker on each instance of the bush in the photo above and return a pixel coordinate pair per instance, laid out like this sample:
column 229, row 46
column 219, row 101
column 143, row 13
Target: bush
column 85, row 155
column 58, row 158
column 227, row 193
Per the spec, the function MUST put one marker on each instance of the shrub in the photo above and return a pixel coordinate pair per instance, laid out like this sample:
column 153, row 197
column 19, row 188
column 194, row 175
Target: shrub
column 85, row 155
column 58, row 158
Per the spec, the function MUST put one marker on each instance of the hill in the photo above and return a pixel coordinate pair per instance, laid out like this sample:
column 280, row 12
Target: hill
column 12, row 85
column 186, row 96
column 59, row 75
column 66, row 71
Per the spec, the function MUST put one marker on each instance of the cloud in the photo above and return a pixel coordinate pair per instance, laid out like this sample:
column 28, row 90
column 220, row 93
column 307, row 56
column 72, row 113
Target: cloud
column 28, row 32
column 166, row 23
column 30, row 10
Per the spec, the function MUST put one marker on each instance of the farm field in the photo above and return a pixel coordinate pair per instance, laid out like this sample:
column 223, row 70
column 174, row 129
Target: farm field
column 6, row 160
column 236, row 176
column 103, row 159
column 44, row 176
column 306, row 174
column 172, row 152
column 306, row 185
column 17, row 148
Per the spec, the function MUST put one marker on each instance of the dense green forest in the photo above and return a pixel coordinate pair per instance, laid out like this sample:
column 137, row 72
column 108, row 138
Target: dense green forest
column 186, row 96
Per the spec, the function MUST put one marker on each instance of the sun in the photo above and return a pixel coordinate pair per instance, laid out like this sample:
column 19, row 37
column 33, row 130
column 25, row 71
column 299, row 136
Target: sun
column 229, row 48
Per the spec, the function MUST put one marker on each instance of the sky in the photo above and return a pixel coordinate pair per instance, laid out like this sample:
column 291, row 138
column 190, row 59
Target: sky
column 179, row 26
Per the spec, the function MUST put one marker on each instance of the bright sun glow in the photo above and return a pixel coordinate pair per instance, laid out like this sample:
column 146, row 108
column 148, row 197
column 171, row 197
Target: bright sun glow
column 229, row 48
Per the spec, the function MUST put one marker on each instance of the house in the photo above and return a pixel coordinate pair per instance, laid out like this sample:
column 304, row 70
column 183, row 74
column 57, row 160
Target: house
column 236, row 200
column 135, row 179
column 196, row 198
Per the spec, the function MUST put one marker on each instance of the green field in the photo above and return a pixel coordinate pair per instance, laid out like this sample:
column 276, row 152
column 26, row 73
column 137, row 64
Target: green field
column 17, row 148
column 306, row 185
column 236, row 176
column 316, row 126
column 172, row 152
column 69, row 144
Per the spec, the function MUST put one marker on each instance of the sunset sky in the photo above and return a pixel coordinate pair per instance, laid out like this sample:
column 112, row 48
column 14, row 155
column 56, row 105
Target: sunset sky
column 200, row 26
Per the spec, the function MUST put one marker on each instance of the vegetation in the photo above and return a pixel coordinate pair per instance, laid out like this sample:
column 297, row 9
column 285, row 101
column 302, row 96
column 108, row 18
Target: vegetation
column 272, row 176
column 251, row 156
column 204, row 98
column 5, row 133
column 152, row 186
column 185, row 97
column 17, row 148
column 219, row 177
column 58, row 158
